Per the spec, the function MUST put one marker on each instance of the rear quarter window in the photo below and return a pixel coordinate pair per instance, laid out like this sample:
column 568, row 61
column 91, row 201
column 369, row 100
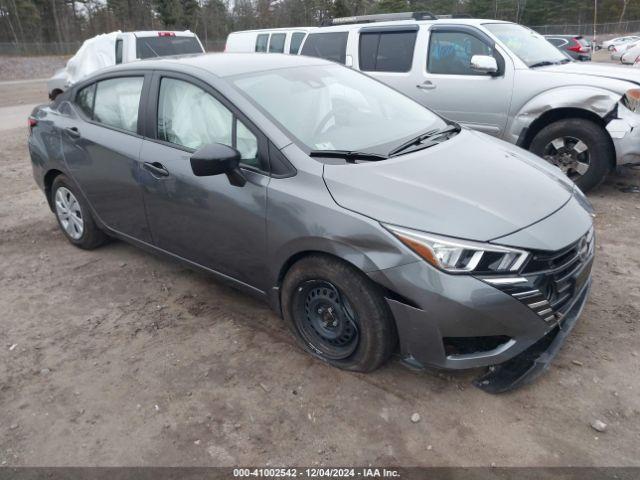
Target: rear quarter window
column 330, row 46
column 85, row 98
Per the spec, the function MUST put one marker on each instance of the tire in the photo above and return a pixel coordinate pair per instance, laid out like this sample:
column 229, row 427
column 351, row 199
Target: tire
column 89, row 236
column 360, row 299
column 610, row 48
column 599, row 149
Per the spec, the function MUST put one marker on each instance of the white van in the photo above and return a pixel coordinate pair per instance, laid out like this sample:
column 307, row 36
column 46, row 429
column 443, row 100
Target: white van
column 274, row 40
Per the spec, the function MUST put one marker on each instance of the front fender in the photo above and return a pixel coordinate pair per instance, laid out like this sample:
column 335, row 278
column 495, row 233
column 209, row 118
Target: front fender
column 598, row 101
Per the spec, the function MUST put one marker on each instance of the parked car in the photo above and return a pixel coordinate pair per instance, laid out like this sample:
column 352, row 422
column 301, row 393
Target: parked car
column 619, row 50
column 631, row 55
column 275, row 40
column 120, row 47
column 364, row 219
column 500, row 78
column 576, row 46
column 610, row 44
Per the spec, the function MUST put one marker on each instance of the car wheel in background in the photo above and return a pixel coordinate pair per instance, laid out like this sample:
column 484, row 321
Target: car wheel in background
column 337, row 314
column 579, row 147
column 73, row 215
column 610, row 48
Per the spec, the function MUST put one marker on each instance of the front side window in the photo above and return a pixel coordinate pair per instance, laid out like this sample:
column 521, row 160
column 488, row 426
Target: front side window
column 277, row 42
column 330, row 46
column 261, row 42
column 190, row 117
column 387, row 51
column 296, row 42
column 451, row 52
column 117, row 101
column 331, row 107
column 531, row 47
column 84, row 99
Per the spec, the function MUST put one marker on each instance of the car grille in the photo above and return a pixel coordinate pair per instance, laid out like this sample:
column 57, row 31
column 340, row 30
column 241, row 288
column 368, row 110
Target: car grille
column 554, row 279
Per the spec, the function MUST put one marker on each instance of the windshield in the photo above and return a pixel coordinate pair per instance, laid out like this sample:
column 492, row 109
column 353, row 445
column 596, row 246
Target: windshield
column 330, row 107
column 531, row 47
column 150, row 47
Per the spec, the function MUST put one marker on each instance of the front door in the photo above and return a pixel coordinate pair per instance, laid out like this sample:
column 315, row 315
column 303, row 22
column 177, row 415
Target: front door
column 447, row 84
column 205, row 220
column 101, row 147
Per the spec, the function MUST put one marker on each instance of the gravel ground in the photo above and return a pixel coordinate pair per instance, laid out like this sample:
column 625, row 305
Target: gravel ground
column 18, row 68
column 118, row 357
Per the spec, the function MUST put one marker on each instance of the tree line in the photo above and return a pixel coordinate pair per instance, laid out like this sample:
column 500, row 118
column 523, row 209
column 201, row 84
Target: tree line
column 60, row 21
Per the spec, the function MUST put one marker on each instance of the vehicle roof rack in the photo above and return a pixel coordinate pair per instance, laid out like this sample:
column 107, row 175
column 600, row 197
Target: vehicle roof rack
column 382, row 17
column 454, row 15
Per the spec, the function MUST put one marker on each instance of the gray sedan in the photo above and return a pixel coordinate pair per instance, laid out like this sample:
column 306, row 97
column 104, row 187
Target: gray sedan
column 371, row 224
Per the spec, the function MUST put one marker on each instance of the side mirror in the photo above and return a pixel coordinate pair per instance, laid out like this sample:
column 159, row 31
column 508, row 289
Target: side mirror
column 216, row 159
column 484, row 64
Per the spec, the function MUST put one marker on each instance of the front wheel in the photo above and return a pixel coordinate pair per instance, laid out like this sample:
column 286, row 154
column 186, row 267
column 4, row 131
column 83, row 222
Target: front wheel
column 579, row 147
column 337, row 314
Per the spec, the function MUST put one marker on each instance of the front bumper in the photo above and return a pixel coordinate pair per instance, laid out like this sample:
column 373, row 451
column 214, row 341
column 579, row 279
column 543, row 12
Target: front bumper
column 625, row 134
column 460, row 322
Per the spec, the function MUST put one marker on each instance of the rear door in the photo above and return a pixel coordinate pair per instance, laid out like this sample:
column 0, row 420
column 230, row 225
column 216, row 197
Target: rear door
column 446, row 83
column 101, row 140
column 205, row 220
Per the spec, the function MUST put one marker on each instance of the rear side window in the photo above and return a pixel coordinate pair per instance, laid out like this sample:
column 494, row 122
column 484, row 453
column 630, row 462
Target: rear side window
column 276, row 45
column 84, row 99
column 117, row 101
column 161, row 46
column 330, row 46
column 386, row 51
column 118, row 51
column 451, row 52
column 261, row 42
column 296, row 41
column 558, row 42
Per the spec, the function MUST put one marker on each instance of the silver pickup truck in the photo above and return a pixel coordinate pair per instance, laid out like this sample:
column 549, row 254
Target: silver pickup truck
column 499, row 78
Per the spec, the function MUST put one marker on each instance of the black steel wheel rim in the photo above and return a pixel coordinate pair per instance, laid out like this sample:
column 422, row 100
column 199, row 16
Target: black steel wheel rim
column 325, row 319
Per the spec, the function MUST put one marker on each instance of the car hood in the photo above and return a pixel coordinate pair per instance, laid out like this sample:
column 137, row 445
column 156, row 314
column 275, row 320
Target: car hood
column 471, row 186
column 617, row 72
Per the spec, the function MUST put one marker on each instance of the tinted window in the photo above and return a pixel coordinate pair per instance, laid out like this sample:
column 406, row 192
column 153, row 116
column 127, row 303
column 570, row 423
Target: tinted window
column 557, row 41
column 277, row 42
column 451, row 52
column 149, row 47
column 330, row 46
column 118, row 51
column 84, row 99
column 190, row 117
column 261, row 42
column 387, row 51
column 117, row 101
column 296, row 41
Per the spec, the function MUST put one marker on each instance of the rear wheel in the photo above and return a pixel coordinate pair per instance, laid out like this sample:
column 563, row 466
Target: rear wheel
column 579, row 147
column 73, row 215
column 337, row 314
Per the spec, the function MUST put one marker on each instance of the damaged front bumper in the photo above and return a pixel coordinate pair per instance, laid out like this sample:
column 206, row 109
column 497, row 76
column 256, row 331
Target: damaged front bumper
column 624, row 129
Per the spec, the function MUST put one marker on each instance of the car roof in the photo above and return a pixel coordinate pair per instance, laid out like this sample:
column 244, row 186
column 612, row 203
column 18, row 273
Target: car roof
column 442, row 21
column 281, row 29
column 224, row 64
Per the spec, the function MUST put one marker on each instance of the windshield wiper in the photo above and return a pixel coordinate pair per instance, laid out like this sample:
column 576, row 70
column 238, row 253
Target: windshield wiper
column 546, row 63
column 349, row 155
column 454, row 127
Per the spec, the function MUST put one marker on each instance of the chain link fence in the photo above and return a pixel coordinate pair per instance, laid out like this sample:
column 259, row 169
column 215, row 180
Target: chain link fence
column 602, row 29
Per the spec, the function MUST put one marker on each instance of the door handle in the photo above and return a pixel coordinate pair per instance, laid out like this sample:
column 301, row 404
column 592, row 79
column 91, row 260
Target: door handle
column 426, row 85
column 156, row 169
column 72, row 132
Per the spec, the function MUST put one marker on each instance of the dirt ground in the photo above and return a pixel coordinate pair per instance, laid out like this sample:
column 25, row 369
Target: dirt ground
column 117, row 357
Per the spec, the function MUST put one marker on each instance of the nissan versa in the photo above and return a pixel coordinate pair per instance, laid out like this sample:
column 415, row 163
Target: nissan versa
column 369, row 223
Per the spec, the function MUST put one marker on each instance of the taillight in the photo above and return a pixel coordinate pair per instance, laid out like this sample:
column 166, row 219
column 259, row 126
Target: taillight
column 31, row 122
column 576, row 47
column 166, row 34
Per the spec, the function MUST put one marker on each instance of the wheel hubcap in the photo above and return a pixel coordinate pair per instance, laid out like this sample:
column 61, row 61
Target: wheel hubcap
column 325, row 319
column 69, row 213
column 569, row 154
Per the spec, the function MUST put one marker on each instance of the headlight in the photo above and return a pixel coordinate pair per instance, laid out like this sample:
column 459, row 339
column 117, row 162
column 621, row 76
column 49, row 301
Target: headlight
column 631, row 99
column 460, row 256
